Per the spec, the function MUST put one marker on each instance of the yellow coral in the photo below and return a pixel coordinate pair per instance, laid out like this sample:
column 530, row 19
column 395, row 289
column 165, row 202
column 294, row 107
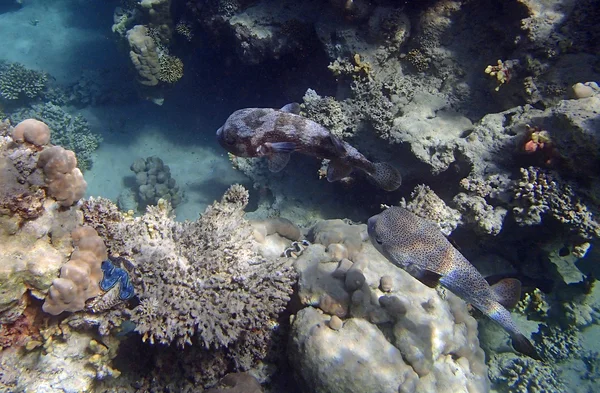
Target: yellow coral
column 171, row 69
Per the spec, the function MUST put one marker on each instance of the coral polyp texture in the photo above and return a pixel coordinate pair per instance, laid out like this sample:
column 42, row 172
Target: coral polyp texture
column 64, row 180
column 203, row 282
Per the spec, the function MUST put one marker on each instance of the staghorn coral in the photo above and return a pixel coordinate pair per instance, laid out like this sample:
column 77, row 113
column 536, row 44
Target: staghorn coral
column 17, row 82
column 202, row 281
column 171, row 69
column 80, row 276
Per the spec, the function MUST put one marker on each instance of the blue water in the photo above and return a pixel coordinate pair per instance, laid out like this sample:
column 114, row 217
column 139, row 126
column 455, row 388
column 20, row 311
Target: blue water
column 90, row 68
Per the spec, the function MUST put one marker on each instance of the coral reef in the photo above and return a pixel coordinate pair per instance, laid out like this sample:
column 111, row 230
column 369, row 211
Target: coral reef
column 214, row 253
column 80, row 276
column 18, row 82
column 154, row 182
column 64, row 180
column 32, row 131
column 68, row 131
column 404, row 340
column 523, row 375
column 143, row 55
column 171, row 69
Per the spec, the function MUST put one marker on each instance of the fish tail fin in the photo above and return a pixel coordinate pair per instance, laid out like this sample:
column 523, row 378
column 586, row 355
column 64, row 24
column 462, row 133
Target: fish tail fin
column 508, row 292
column 522, row 345
column 386, row 176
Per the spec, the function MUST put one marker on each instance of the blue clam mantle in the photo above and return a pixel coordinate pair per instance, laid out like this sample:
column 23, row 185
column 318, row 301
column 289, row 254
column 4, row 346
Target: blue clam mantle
column 114, row 275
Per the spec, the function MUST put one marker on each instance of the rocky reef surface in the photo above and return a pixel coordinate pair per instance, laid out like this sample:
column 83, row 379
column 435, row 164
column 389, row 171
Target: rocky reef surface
column 491, row 111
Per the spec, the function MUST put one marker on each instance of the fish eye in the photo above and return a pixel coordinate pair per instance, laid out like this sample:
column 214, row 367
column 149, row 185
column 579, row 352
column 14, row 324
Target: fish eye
column 379, row 241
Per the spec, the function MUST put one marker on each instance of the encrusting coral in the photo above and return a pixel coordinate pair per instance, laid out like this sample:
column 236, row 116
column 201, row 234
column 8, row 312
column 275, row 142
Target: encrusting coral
column 80, row 277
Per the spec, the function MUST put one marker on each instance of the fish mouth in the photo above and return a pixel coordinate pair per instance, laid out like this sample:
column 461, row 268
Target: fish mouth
column 371, row 226
column 219, row 132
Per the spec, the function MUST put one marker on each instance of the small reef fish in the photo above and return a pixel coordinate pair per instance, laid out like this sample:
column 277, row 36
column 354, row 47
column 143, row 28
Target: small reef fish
column 417, row 246
column 276, row 133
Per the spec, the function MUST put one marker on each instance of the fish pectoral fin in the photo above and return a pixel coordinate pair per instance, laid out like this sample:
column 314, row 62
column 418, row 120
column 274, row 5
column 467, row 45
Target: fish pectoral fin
column 522, row 345
column 508, row 292
column 427, row 277
column 337, row 170
column 292, row 107
column 282, row 147
column 338, row 145
column 278, row 161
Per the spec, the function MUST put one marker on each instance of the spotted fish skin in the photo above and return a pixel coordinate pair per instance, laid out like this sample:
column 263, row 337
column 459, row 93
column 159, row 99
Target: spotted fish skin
column 276, row 133
column 419, row 247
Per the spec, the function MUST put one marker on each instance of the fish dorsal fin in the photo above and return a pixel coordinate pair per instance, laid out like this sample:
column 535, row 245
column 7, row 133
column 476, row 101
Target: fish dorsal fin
column 292, row 107
column 337, row 170
column 508, row 292
column 278, row 161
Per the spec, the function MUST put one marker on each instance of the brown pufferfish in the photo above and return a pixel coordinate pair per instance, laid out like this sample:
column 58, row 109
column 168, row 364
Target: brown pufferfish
column 276, row 133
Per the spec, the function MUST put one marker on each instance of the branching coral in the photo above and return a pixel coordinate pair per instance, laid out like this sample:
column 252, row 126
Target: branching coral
column 540, row 192
column 523, row 375
column 171, row 68
column 202, row 281
column 17, row 82
column 425, row 203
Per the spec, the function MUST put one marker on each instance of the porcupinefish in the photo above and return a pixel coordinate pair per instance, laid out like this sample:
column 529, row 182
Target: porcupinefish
column 419, row 247
column 276, row 133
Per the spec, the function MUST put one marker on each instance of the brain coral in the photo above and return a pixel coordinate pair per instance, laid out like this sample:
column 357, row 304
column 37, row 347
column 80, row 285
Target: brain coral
column 201, row 281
